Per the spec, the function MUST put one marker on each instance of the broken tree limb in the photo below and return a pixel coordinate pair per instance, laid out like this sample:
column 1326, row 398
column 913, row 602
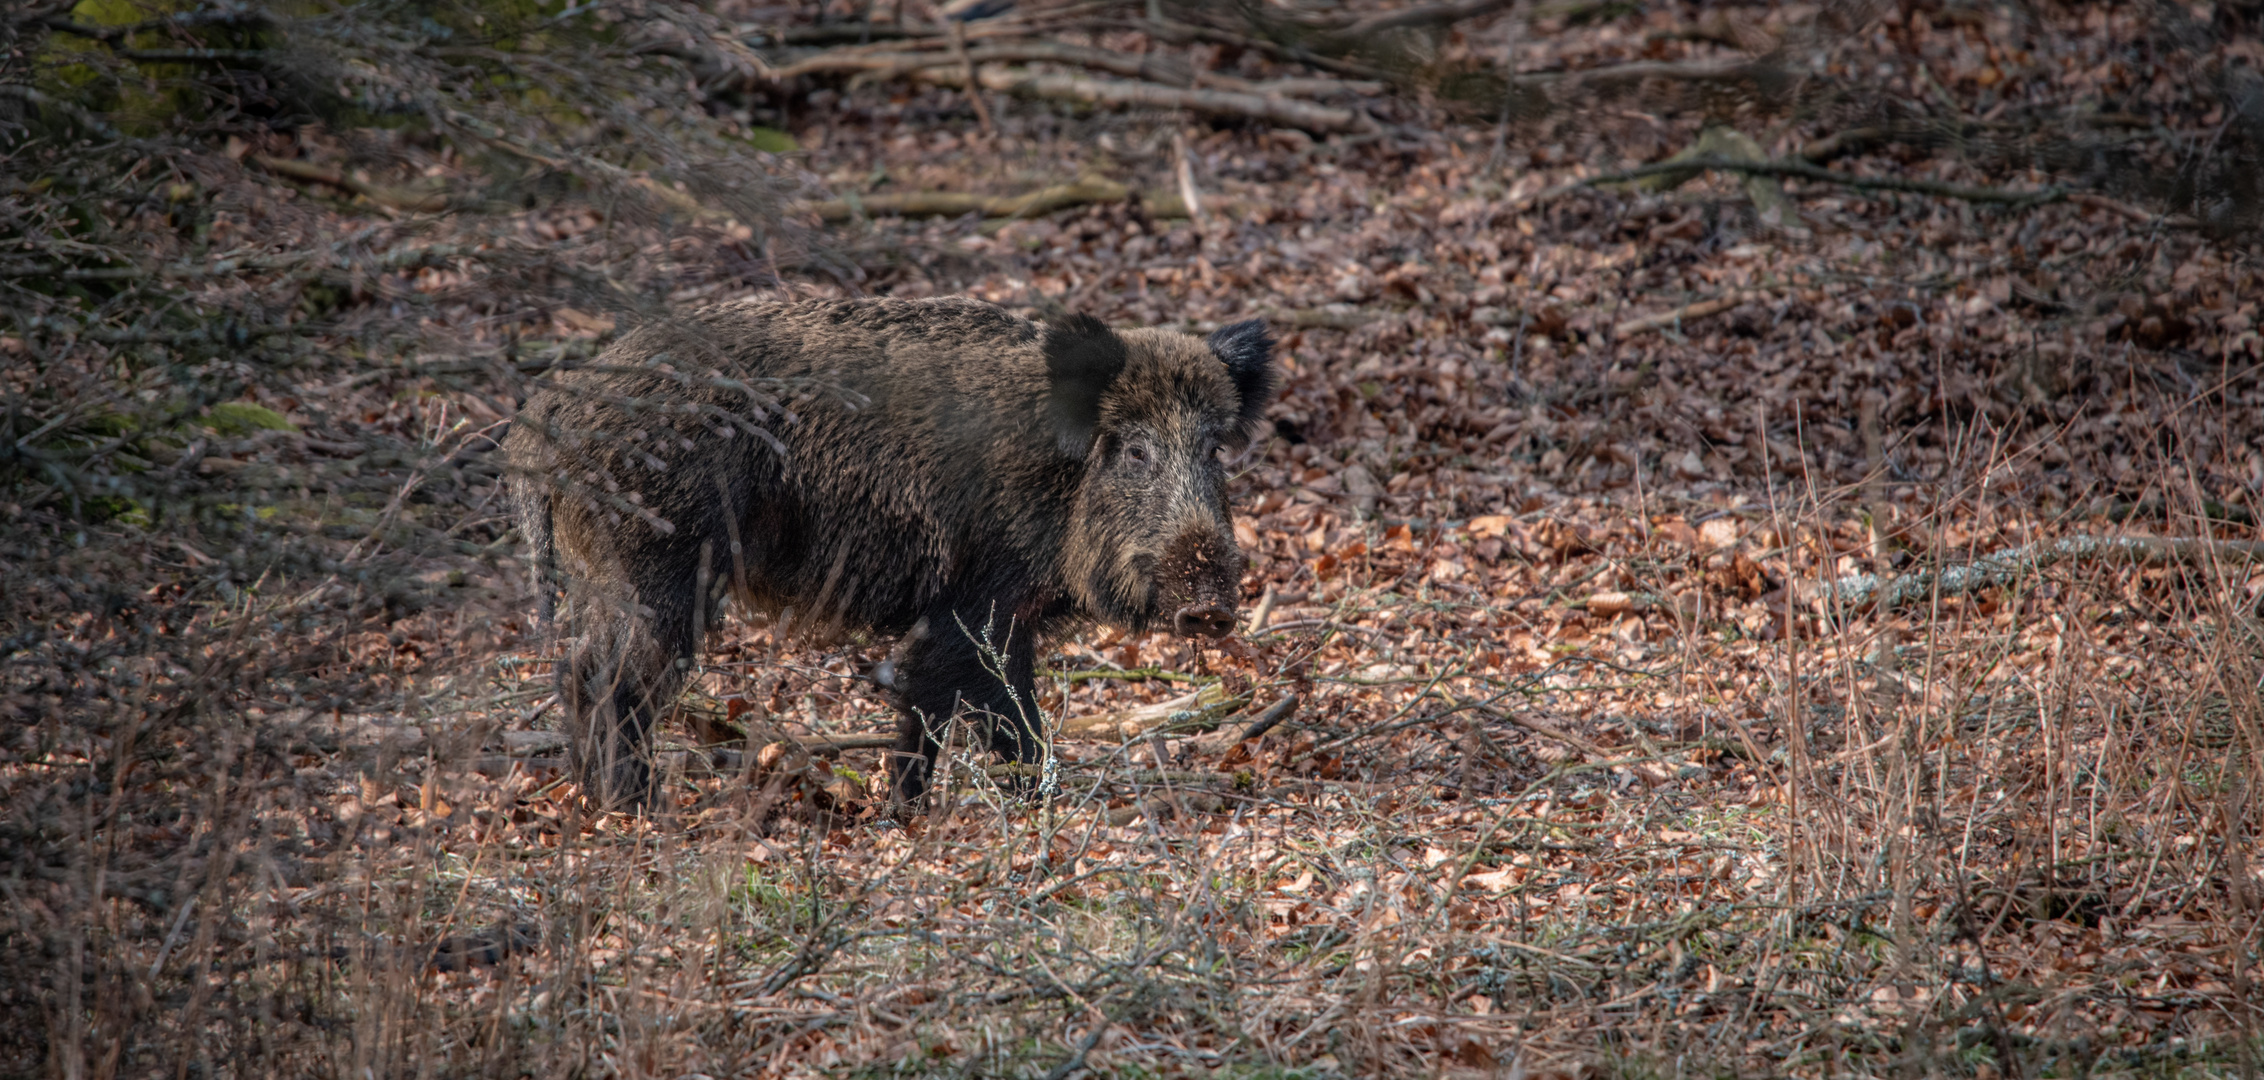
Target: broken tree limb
column 1589, row 749
column 395, row 198
column 1220, row 740
column 2162, row 508
column 1427, row 15
column 2010, row 564
column 2137, row 214
column 1805, row 171
column 1309, row 87
column 1674, row 317
column 886, row 34
column 1638, row 71
column 974, row 87
column 869, row 66
column 1279, row 111
column 1180, row 33
column 1838, row 143
column 1201, row 708
column 1150, row 67
column 955, row 203
column 1008, row 207
column 1184, row 171
column 1271, row 718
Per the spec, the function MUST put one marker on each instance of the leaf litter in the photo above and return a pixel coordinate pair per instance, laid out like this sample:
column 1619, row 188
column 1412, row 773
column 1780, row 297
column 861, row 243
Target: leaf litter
column 1584, row 772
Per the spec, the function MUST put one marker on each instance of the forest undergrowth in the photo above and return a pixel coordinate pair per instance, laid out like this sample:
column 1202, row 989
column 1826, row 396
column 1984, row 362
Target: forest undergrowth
column 1704, row 622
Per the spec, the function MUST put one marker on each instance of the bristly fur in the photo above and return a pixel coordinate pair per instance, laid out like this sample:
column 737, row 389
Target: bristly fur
column 936, row 469
column 1247, row 350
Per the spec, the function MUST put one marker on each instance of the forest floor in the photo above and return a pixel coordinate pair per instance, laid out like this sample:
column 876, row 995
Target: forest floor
column 1595, row 752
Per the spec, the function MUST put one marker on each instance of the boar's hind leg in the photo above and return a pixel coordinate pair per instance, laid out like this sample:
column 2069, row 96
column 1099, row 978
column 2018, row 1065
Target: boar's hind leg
column 625, row 671
column 945, row 672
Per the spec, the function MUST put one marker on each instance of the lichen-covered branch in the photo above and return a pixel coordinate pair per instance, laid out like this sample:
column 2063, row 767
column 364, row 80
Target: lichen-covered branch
column 2009, row 565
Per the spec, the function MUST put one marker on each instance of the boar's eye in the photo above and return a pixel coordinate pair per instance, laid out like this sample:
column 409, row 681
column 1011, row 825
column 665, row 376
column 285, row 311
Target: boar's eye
column 1135, row 454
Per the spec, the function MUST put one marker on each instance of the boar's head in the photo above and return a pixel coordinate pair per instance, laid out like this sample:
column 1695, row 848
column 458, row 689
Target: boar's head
column 1155, row 417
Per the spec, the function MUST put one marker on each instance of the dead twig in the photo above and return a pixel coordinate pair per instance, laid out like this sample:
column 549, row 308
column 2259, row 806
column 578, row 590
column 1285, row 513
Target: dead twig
column 1279, row 111
column 1674, row 317
column 1424, row 16
column 956, row 203
column 392, row 197
column 1189, row 710
column 1150, row 67
column 1180, row 33
column 1639, row 71
column 1035, row 204
column 1185, row 173
column 2137, row 214
column 974, row 85
column 1272, row 718
column 2011, row 563
column 1805, row 171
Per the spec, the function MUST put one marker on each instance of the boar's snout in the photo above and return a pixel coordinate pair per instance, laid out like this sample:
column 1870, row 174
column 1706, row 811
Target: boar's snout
column 1201, row 573
column 1203, row 620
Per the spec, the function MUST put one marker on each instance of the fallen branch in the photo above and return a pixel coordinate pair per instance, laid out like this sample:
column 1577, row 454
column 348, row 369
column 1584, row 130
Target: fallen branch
column 1179, row 33
column 1802, row 170
column 955, row 203
column 2160, row 508
column 1586, row 748
column 1425, row 16
column 1032, row 771
column 1202, row 708
column 881, row 67
column 2137, row 214
column 973, row 87
column 868, row 65
column 899, row 34
column 1035, row 204
column 396, row 198
column 1224, row 738
column 1270, row 719
column 1807, row 171
column 1681, row 71
column 2009, row 564
column 1279, row 111
column 1674, row 317
column 1838, row 143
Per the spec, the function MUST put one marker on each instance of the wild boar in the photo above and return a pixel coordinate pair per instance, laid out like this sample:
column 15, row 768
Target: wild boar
column 939, row 470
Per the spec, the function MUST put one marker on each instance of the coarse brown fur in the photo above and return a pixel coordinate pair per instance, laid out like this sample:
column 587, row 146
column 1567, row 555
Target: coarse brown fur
column 940, row 470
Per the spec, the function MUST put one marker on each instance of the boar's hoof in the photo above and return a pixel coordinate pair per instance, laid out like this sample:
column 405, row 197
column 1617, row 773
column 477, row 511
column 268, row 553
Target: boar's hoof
column 1203, row 620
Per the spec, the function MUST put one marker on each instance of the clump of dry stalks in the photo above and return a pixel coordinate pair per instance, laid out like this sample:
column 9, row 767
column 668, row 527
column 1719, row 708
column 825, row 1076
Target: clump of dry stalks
column 1639, row 786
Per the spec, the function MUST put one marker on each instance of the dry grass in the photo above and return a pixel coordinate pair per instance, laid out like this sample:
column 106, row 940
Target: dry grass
column 2008, row 834
column 1580, row 782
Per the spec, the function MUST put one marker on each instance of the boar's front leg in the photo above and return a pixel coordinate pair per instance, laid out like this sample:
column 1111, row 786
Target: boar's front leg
column 624, row 671
column 978, row 666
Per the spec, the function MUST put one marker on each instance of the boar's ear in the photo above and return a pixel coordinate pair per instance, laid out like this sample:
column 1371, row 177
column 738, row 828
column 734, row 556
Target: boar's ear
column 1083, row 357
column 1247, row 350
